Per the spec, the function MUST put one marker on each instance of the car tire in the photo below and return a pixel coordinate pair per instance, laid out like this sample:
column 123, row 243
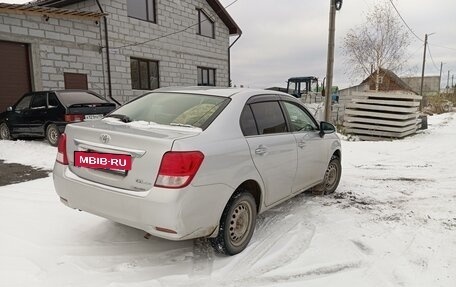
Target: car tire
column 236, row 225
column 332, row 178
column 52, row 134
column 4, row 132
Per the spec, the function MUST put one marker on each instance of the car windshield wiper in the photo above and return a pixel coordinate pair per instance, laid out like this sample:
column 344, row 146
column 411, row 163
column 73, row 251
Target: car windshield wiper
column 121, row 117
column 183, row 125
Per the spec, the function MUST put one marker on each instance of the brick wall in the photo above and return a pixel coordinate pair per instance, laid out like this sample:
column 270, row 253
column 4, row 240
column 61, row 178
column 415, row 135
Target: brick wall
column 59, row 46
column 179, row 55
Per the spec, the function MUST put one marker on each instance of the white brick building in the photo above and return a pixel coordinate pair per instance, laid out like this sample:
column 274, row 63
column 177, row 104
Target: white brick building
column 152, row 43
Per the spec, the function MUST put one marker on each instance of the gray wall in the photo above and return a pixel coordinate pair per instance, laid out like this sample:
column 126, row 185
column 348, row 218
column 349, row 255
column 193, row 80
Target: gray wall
column 430, row 84
column 59, row 46
column 178, row 55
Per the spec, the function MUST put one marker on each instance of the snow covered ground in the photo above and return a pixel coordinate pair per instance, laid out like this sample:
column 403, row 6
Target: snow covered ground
column 392, row 222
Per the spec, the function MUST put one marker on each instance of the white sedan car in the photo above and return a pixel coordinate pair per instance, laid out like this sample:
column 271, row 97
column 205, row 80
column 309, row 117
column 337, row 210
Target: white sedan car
column 197, row 162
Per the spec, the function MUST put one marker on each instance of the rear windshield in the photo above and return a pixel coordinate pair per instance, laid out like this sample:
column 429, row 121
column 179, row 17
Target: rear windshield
column 175, row 109
column 71, row 98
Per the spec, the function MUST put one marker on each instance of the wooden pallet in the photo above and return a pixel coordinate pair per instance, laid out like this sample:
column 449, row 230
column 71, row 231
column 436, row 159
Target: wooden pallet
column 380, row 116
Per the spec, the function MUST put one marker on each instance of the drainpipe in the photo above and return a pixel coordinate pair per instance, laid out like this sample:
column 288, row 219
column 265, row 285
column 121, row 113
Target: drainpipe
column 229, row 60
column 105, row 20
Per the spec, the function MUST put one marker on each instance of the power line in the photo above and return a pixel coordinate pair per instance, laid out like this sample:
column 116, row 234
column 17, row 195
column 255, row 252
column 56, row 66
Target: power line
column 394, row 6
column 435, row 66
column 439, row 46
column 172, row 33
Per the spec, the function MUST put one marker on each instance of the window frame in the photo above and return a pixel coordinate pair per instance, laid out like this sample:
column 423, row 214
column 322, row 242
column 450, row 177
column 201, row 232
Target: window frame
column 212, row 22
column 154, row 20
column 139, row 60
column 203, row 69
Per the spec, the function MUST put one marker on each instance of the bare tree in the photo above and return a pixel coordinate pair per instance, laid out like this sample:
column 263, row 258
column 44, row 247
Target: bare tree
column 380, row 42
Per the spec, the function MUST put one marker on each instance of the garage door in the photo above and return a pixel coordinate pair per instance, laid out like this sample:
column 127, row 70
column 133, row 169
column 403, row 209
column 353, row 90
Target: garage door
column 14, row 73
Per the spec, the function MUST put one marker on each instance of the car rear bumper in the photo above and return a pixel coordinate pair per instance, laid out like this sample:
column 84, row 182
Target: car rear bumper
column 191, row 212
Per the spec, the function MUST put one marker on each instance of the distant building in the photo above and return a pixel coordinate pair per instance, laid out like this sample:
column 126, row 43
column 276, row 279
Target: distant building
column 387, row 81
column 431, row 84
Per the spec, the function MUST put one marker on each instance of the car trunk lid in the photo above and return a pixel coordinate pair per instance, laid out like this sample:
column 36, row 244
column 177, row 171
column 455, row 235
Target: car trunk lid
column 144, row 142
column 90, row 111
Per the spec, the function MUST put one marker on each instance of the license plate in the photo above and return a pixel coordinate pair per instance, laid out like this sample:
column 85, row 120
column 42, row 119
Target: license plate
column 109, row 161
column 93, row 117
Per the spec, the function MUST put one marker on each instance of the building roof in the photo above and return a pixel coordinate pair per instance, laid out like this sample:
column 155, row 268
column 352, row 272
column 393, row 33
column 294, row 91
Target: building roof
column 215, row 5
column 392, row 76
column 27, row 9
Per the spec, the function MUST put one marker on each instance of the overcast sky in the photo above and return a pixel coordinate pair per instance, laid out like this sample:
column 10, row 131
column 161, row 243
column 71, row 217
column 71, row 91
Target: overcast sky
column 289, row 38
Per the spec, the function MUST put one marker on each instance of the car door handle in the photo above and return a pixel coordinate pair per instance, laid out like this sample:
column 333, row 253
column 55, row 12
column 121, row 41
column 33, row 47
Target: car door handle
column 261, row 150
column 301, row 144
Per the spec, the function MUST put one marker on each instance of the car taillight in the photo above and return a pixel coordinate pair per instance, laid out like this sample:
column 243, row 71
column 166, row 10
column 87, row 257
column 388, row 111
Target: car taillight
column 61, row 150
column 177, row 169
column 74, row 118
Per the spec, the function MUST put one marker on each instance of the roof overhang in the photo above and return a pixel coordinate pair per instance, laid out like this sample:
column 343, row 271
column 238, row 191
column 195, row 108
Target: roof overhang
column 218, row 8
column 27, row 9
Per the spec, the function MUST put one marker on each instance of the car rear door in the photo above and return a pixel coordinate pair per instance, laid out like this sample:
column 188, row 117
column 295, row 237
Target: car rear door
column 312, row 151
column 38, row 113
column 272, row 147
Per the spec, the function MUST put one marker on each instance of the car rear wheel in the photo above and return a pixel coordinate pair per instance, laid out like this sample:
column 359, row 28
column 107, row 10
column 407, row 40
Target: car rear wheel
column 4, row 132
column 236, row 225
column 332, row 178
column 52, row 134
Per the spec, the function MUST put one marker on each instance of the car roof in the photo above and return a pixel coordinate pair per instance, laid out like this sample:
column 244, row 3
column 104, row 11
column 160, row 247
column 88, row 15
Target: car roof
column 219, row 91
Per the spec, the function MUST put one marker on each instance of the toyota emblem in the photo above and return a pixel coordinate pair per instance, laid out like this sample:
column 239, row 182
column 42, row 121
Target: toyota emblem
column 105, row 138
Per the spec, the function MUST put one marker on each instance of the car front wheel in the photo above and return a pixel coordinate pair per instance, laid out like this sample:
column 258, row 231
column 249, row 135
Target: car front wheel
column 52, row 134
column 236, row 225
column 332, row 178
column 4, row 132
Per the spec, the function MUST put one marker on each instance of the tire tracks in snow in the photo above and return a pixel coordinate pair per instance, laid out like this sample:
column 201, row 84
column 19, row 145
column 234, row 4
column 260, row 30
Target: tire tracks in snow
column 281, row 236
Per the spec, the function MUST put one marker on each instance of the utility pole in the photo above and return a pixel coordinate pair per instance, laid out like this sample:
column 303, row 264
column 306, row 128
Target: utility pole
column 422, row 72
column 334, row 5
column 448, row 80
column 440, row 77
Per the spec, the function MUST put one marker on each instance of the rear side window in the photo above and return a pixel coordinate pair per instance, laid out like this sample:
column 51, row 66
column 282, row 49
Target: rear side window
column 248, row 125
column 39, row 101
column 269, row 117
column 53, row 102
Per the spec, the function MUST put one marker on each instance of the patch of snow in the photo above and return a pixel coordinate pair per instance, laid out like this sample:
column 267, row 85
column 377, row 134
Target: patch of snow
column 392, row 222
column 36, row 153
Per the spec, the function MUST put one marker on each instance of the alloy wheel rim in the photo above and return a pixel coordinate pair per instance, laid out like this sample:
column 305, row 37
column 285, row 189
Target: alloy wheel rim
column 240, row 223
column 53, row 135
column 3, row 132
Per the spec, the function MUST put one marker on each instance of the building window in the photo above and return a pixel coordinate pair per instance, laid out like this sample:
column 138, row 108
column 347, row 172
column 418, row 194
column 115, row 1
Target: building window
column 206, row 76
column 144, row 74
column 205, row 25
column 142, row 9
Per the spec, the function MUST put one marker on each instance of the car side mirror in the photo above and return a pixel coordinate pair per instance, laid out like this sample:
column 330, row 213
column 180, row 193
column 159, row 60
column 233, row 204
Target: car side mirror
column 9, row 109
column 326, row 128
